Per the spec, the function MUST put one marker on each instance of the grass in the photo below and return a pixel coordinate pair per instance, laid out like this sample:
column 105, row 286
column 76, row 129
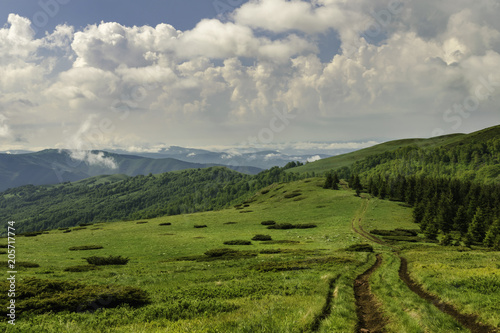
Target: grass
column 280, row 285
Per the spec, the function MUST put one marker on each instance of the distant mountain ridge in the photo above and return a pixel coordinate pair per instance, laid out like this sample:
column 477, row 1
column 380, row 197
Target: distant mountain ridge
column 54, row 166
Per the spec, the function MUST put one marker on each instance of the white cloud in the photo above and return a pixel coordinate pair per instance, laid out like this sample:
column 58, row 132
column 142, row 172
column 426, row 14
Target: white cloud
column 217, row 83
column 4, row 128
column 314, row 158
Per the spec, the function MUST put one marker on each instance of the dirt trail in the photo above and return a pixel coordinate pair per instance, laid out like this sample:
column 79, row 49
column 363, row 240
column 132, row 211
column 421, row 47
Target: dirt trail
column 469, row 321
column 327, row 308
column 370, row 318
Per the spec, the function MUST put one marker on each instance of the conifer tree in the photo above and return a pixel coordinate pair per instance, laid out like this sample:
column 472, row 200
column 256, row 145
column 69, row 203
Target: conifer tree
column 329, row 181
column 476, row 227
column 335, row 181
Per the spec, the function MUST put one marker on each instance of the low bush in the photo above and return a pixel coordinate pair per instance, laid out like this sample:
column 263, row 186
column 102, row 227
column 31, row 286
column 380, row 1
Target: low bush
column 360, row 248
column 281, row 226
column 85, row 224
column 305, row 226
column 262, row 238
column 79, row 228
column 270, row 251
column 51, row 296
column 281, row 241
column 66, row 231
column 268, row 222
column 81, row 268
column 246, row 211
column 25, row 264
column 230, row 222
column 166, row 223
column 3, row 252
column 264, row 191
column 4, row 246
column 111, row 260
column 280, row 266
column 292, row 195
column 85, row 247
column 141, row 222
column 395, row 232
column 198, row 226
column 238, row 242
column 32, row 234
column 63, row 229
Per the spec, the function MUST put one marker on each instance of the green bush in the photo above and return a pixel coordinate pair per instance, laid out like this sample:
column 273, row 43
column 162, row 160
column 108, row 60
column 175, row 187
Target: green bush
column 268, row 222
column 66, row 231
column 220, row 252
column 4, row 246
column 360, row 248
column 305, row 226
column 281, row 226
column 141, row 222
column 19, row 264
column 81, row 268
column 111, row 260
column 292, row 195
column 166, row 223
column 270, row 251
column 85, row 224
column 32, row 234
column 39, row 296
column 238, row 242
column 262, row 238
column 198, row 226
column 79, row 228
column 230, row 222
column 3, row 252
column 85, row 247
column 281, row 241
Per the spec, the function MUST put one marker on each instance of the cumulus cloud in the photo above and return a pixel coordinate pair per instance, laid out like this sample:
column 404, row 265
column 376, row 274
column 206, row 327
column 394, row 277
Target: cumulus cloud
column 314, row 158
column 397, row 66
column 4, row 128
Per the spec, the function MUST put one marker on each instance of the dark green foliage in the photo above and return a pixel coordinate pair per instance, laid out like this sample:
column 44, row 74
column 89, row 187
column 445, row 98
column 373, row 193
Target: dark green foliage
column 230, row 222
column 141, row 222
column 300, row 264
column 85, row 224
column 85, row 247
column 79, row 228
column 31, row 234
column 396, row 232
column 24, row 264
column 285, row 226
column 166, row 223
column 447, row 240
column 292, row 195
column 270, row 251
column 199, row 226
column 281, row 226
column 38, row 296
column 246, row 211
column 4, row 246
column 133, row 198
column 66, row 231
column 264, row 191
column 220, row 254
column 111, row 260
column 81, row 268
column 261, row 238
column 238, row 242
column 3, row 252
column 360, row 248
column 62, row 228
column 268, row 222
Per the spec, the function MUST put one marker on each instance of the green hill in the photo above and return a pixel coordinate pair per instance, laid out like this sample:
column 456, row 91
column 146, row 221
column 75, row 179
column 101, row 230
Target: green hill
column 446, row 141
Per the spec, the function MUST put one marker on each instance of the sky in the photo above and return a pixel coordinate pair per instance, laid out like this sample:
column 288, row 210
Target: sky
column 215, row 74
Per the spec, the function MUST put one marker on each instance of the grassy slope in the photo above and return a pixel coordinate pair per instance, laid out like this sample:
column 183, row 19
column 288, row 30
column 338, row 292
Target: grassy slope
column 231, row 296
column 348, row 159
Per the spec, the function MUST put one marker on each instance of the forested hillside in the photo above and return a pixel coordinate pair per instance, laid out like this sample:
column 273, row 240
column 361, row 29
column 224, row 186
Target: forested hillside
column 46, row 207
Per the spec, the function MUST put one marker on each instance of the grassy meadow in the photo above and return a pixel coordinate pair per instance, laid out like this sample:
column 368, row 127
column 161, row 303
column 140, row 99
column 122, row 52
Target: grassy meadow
column 299, row 281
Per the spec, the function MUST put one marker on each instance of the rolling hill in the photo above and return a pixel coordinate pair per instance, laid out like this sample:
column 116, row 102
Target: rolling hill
column 56, row 166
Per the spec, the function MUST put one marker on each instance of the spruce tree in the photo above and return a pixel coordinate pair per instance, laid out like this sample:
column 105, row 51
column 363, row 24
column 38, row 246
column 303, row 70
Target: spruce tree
column 460, row 222
column 335, row 182
column 476, row 227
column 329, row 181
column 493, row 233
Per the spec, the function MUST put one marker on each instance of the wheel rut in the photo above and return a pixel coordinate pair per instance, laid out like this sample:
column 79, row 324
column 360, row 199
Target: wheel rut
column 370, row 318
column 469, row 321
column 327, row 308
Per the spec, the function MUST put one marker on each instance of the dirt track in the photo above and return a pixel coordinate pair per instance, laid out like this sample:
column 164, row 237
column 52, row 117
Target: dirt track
column 469, row 321
column 370, row 318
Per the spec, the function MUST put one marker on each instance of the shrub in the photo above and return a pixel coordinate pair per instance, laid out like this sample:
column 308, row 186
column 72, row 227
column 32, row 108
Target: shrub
column 230, row 222
column 25, row 264
column 85, row 224
column 200, row 226
column 281, row 241
column 141, row 222
column 268, row 222
column 81, row 268
column 45, row 296
column 63, row 229
column 166, row 223
column 220, row 252
column 292, row 195
column 79, row 228
column 111, row 260
column 4, row 246
column 85, row 247
column 262, row 238
column 360, row 248
column 264, row 191
column 281, row 226
column 270, row 251
column 66, row 231
column 3, row 252
column 246, row 211
column 447, row 240
column 237, row 242
column 32, row 234
column 305, row 226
